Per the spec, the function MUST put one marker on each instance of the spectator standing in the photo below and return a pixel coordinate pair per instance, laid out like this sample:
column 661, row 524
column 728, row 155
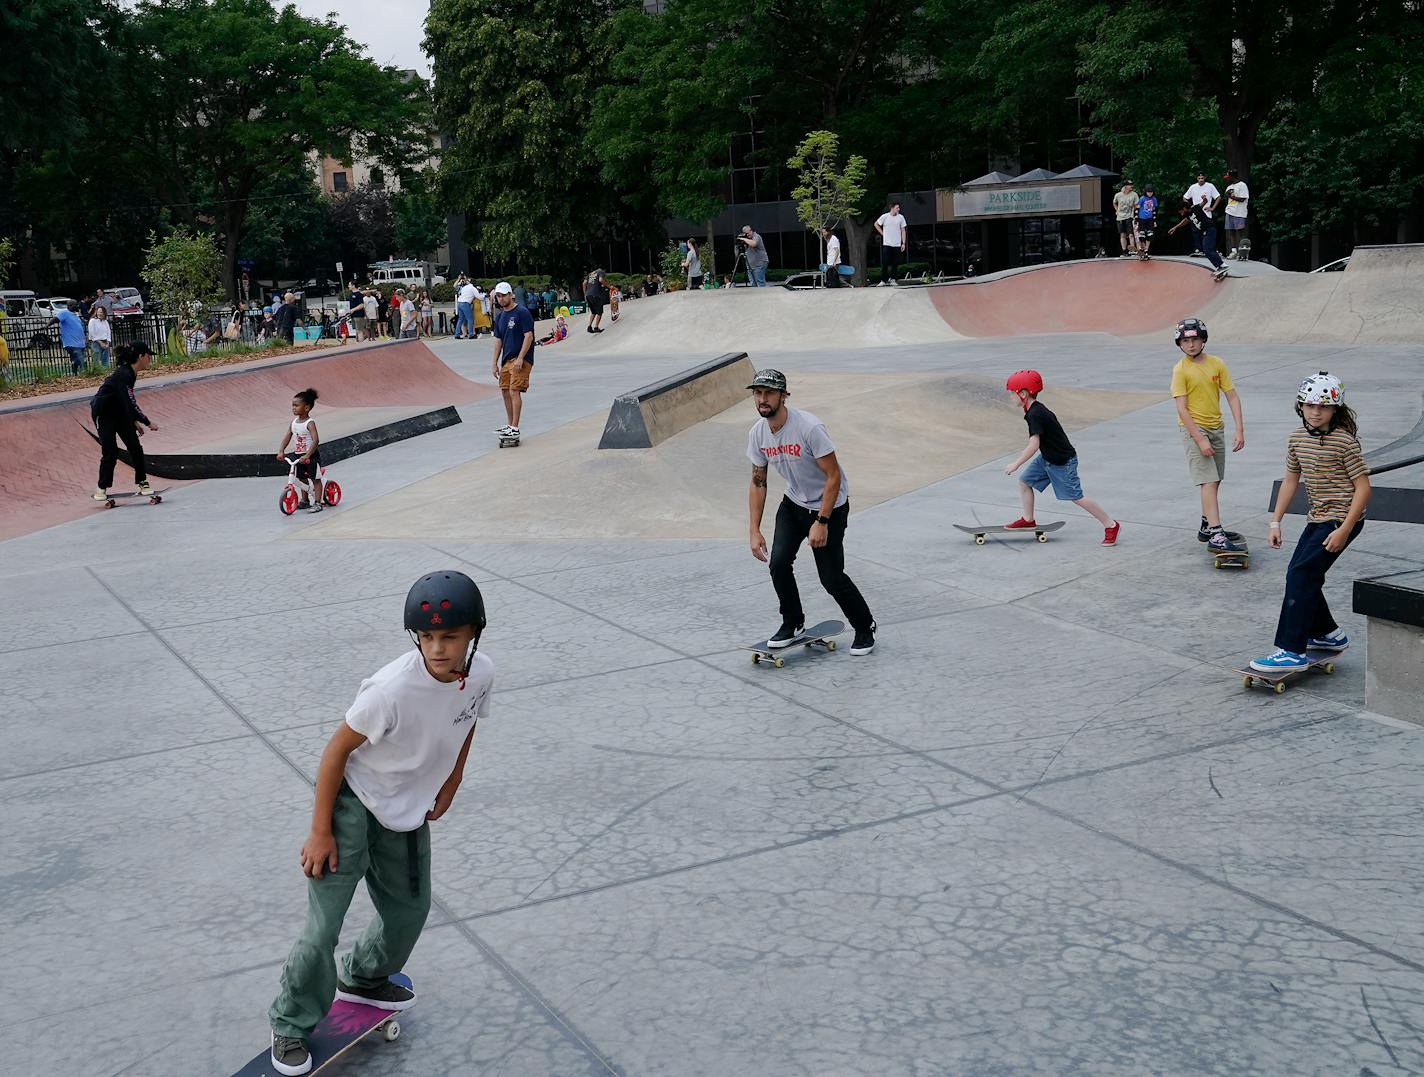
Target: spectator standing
column 101, row 299
column 393, row 313
column 1146, row 220
column 371, row 303
column 1237, row 196
column 286, row 317
column 548, row 298
column 757, row 259
column 481, row 307
column 1201, row 189
column 356, row 312
column 833, row 258
column 692, row 263
column 71, row 334
column 427, row 314
column 1125, row 209
column 101, row 335
column 595, row 294
column 519, row 296
column 894, row 242
column 409, row 328
column 465, row 294
column 86, row 302
column 267, row 328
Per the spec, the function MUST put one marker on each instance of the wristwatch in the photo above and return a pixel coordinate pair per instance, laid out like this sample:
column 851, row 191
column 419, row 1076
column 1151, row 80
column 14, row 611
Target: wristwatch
column 822, row 519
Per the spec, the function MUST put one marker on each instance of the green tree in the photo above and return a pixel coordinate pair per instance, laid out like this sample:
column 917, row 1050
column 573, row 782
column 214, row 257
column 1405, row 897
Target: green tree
column 826, row 193
column 288, row 228
column 419, row 222
column 227, row 93
column 364, row 223
column 183, row 271
column 515, row 87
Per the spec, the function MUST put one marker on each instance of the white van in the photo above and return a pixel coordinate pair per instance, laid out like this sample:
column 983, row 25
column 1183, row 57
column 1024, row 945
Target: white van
column 19, row 302
column 404, row 273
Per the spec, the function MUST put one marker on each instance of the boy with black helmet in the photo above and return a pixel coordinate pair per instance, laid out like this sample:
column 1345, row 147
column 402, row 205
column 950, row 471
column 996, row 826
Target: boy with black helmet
column 391, row 768
column 1198, row 381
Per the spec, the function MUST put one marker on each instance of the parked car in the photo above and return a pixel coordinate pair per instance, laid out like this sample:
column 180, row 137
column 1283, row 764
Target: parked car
column 19, row 302
column 1333, row 267
column 127, row 301
column 52, row 306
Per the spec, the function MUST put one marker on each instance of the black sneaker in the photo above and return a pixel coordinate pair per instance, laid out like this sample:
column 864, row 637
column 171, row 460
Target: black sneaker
column 1204, row 532
column 784, row 635
column 864, row 641
column 386, row 996
column 290, row 1055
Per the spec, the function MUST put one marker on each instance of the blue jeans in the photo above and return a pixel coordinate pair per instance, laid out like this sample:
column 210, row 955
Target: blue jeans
column 1305, row 615
column 76, row 359
column 757, row 276
column 464, row 320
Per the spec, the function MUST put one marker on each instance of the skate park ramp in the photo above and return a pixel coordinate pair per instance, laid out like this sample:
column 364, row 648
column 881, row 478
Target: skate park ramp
column 49, row 461
column 896, row 432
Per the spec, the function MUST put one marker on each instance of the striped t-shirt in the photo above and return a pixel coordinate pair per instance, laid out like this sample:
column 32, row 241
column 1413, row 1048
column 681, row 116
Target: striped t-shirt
column 1330, row 465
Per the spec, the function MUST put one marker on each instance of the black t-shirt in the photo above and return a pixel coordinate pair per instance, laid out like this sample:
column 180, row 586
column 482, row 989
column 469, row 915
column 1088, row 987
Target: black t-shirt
column 1052, row 441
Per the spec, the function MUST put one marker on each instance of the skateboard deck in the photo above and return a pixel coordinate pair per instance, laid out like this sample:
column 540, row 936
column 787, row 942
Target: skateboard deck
column 816, row 636
column 1230, row 558
column 345, row 1025
column 113, row 499
column 506, row 442
column 980, row 530
column 1323, row 661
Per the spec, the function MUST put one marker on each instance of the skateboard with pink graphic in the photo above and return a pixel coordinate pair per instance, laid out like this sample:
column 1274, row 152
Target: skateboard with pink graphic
column 345, row 1025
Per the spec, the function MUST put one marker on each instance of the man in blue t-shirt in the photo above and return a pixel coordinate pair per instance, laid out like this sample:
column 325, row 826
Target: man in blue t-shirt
column 71, row 334
column 513, row 354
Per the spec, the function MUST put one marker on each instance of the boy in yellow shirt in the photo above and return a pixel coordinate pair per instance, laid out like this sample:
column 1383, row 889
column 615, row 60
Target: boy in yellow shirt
column 1198, row 380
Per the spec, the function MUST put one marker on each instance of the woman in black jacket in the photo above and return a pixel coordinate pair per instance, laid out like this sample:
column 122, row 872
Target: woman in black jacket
column 116, row 416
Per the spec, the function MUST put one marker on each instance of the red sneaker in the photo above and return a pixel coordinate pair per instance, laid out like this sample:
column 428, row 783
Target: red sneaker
column 1110, row 534
column 1019, row 524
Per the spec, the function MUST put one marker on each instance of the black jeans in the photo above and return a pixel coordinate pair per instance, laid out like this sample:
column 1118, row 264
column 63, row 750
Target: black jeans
column 889, row 261
column 1305, row 615
column 111, row 431
column 793, row 524
column 833, row 276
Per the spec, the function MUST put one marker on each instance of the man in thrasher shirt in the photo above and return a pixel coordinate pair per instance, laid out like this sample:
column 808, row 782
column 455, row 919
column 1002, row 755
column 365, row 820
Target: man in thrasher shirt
column 815, row 509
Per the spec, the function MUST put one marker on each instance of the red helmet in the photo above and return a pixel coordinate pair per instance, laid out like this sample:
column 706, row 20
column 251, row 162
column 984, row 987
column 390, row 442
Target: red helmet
column 1031, row 380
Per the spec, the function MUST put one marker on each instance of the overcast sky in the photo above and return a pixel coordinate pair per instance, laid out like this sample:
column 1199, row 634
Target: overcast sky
column 391, row 30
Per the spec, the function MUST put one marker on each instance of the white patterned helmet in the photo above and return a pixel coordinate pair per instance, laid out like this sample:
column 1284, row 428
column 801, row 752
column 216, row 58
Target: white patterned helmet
column 1321, row 388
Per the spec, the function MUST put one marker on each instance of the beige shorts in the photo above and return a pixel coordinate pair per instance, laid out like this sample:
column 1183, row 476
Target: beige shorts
column 519, row 382
column 1205, row 469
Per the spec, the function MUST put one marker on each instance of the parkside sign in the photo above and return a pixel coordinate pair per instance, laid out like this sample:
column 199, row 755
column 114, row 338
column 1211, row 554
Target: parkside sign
column 1066, row 198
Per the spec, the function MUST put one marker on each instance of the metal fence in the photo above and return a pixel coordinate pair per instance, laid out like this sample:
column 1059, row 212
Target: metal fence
column 36, row 354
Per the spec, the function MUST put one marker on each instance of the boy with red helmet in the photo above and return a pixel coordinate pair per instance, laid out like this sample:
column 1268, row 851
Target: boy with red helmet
column 1055, row 461
column 390, row 769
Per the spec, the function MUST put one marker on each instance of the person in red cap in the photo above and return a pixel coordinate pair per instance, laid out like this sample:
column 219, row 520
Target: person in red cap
column 1055, row 461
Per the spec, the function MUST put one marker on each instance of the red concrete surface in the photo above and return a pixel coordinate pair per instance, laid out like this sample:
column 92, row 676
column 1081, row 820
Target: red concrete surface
column 49, row 464
column 1118, row 296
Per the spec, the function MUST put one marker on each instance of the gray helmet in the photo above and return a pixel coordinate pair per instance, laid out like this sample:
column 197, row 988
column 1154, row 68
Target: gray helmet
column 445, row 599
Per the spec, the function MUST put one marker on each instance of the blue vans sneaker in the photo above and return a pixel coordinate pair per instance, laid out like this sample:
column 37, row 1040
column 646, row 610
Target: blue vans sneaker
column 1279, row 662
column 1336, row 641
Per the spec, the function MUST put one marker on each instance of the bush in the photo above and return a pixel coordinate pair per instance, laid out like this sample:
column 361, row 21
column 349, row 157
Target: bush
column 443, row 293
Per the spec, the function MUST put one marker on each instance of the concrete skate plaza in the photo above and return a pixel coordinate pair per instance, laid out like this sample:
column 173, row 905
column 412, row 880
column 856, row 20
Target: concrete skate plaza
column 1042, row 829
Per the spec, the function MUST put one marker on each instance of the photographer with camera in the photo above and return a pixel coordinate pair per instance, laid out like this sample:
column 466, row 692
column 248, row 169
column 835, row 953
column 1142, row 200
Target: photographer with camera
column 754, row 248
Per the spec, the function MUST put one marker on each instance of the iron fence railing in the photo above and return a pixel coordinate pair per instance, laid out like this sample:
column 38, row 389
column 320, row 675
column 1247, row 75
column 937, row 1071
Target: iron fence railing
column 35, row 351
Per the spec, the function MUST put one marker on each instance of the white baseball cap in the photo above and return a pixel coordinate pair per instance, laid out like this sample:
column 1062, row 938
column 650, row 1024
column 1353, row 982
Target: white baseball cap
column 503, row 288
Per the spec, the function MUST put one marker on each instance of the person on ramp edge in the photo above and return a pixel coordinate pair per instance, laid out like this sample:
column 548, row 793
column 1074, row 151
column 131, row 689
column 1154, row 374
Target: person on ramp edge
column 815, row 509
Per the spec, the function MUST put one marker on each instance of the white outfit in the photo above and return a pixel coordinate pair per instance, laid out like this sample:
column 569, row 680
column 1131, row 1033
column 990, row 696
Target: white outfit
column 100, row 329
column 894, row 229
column 1197, row 190
column 1237, row 190
column 373, row 308
column 414, row 727
column 793, row 451
column 833, row 252
column 301, row 436
column 468, row 292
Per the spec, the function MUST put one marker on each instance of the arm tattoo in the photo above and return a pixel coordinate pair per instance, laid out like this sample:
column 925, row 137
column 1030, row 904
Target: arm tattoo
column 758, row 476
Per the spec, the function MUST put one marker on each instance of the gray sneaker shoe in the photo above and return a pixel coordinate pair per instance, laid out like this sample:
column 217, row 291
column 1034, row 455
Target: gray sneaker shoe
column 290, row 1055
column 386, row 996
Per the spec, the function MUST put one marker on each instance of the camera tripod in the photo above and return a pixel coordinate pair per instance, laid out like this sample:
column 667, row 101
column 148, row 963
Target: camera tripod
column 740, row 259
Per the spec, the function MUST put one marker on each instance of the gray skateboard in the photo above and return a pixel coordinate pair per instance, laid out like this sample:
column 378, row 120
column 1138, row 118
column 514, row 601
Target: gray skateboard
column 816, row 636
column 1320, row 661
column 1040, row 531
column 113, row 499
column 508, row 442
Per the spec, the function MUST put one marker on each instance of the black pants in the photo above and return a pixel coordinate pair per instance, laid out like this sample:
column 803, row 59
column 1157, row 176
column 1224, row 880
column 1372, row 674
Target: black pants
column 110, row 432
column 889, row 261
column 793, row 524
column 833, row 276
column 1305, row 614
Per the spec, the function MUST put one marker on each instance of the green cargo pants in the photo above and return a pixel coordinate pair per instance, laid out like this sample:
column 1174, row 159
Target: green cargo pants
column 396, row 868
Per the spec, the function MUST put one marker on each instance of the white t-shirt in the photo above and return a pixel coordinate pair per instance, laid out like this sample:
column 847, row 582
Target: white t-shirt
column 833, row 251
column 1196, row 190
column 373, row 307
column 301, row 436
column 467, row 293
column 407, row 315
column 100, row 329
column 415, row 727
column 793, row 451
column 894, row 227
column 1237, row 190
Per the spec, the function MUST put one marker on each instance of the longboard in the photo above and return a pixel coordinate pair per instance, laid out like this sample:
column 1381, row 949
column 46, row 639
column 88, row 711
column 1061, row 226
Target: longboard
column 980, row 530
column 345, row 1025
column 816, row 636
column 113, row 499
column 1230, row 558
column 1323, row 661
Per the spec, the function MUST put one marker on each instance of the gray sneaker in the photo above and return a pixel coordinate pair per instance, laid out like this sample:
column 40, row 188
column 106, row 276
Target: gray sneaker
column 386, row 996
column 290, row 1055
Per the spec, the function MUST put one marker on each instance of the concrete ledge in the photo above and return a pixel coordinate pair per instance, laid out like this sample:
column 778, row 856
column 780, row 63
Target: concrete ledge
column 255, row 465
column 1394, row 671
column 654, row 413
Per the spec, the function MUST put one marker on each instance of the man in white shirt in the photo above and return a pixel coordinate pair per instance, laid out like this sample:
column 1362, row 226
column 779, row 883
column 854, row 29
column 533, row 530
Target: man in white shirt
column 371, row 304
column 894, row 241
column 814, row 510
column 407, row 325
column 1237, row 197
column 1202, row 193
column 833, row 258
column 464, row 310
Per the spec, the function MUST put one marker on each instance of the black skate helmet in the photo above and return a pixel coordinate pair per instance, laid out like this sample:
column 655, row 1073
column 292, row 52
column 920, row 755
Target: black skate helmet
column 446, row 599
column 1191, row 327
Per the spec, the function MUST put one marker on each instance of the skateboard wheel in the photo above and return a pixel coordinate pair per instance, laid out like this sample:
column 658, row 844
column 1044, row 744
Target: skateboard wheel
column 830, row 645
column 1217, row 562
column 110, row 503
column 154, row 500
column 1280, row 687
column 978, row 540
column 756, row 659
column 1245, row 682
column 392, row 1031
column 1329, row 667
column 1041, row 536
column 778, row 662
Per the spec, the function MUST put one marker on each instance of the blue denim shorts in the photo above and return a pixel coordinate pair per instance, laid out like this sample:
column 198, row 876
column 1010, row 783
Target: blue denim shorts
column 1064, row 477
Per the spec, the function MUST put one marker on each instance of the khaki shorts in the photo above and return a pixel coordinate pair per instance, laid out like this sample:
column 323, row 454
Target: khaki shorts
column 1205, row 469
column 519, row 382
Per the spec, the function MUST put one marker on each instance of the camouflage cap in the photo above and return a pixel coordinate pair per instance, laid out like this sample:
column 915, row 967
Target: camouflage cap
column 769, row 379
